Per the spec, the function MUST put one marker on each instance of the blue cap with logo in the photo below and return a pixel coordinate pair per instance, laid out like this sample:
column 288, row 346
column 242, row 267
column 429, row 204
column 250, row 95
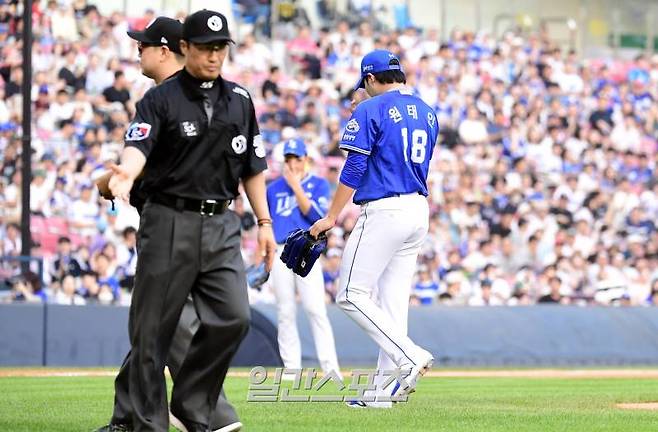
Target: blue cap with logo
column 294, row 146
column 377, row 61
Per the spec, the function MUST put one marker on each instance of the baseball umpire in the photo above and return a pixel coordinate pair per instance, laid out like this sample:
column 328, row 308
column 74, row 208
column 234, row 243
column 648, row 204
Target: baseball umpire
column 160, row 58
column 195, row 136
column 296, row 200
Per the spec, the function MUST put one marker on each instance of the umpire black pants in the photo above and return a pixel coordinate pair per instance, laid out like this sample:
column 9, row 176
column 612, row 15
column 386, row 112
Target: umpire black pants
column 181, row 253
column 224, row 413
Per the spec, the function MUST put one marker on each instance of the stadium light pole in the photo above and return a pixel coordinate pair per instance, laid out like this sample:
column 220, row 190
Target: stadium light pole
column 26, row 238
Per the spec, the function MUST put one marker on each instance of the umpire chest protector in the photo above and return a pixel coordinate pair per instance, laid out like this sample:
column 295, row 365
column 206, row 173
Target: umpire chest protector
column 199, row 138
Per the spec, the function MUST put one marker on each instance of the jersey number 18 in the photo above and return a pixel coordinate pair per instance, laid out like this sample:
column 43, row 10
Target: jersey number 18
column 418, row 145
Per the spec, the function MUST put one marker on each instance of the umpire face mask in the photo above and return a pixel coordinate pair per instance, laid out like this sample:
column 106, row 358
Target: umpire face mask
column 204, row 61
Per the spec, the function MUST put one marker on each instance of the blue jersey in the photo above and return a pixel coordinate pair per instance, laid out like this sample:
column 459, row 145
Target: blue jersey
column 397, row 131
column 286, row 215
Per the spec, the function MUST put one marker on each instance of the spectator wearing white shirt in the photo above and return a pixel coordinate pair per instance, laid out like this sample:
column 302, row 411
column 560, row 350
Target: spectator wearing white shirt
column 63, row 25
column 84, row 213
column 67, row 294
column 473, row 130
column 12, row 199
column 569, row 80
column 626, row 136
column 40, row 194
column 484, row 297
column 98, row 76
column 11, row 243
column 4, row 109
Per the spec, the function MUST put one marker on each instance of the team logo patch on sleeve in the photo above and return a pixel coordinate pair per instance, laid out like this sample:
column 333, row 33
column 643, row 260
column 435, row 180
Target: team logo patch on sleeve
column 352, row 126
column 138, row 132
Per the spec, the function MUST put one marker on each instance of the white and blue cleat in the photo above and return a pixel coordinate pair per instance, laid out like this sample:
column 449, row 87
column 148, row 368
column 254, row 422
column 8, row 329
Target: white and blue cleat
column 424, row 364
column 357, row 404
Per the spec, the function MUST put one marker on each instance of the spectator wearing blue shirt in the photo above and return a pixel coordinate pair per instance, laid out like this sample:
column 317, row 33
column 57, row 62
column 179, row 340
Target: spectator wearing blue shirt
column 638, row 224
column 425, row 288
column 331, row 271
column 644, row 170
column 105, row 275
column 653, row 297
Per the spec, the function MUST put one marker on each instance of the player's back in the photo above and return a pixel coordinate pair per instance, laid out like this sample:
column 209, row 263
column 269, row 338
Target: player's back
column 401, row 131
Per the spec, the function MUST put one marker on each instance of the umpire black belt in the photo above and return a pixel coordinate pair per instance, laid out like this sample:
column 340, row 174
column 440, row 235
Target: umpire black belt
column 203, row 207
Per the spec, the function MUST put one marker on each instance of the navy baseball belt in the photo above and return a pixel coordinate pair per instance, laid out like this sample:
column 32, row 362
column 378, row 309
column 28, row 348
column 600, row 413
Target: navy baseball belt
column 207, row 207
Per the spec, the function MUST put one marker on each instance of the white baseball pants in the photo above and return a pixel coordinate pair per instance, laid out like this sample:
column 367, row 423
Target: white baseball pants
column 377, row 271
column 311, row 293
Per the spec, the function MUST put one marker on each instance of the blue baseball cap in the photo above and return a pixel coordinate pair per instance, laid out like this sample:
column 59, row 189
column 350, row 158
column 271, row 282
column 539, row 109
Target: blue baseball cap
column 294, row 146
column 377, row 61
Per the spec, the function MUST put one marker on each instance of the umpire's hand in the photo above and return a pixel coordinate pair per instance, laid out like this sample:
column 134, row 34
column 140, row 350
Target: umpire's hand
column 103, row 185
column 121, row 182
column 266, row 245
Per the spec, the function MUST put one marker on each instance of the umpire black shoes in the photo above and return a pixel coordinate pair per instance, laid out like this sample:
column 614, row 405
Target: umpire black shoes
column 185, row 425
column 115, row 428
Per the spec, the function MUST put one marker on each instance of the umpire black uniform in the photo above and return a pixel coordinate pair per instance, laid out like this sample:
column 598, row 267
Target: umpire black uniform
column 199, row 139
column 165, row 31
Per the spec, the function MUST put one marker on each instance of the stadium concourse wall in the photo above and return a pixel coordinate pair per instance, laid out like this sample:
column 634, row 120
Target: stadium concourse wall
column 55, row 335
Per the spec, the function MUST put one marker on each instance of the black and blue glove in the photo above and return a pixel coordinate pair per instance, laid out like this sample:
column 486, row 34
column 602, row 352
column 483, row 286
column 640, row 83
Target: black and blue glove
column 301, row 251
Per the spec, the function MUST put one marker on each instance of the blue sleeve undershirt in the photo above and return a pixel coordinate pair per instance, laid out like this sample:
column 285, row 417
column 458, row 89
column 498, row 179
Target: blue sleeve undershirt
column 353, row 170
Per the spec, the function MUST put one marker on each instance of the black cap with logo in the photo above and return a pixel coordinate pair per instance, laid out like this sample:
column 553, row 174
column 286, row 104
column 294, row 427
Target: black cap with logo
column 161, row 31
column 206, row 26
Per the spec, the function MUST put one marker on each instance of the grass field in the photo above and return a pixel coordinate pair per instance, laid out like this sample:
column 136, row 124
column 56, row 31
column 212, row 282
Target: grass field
column 453, row 404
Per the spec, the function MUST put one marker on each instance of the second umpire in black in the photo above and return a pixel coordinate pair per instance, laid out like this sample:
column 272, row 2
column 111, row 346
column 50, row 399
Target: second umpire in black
column 195, row 136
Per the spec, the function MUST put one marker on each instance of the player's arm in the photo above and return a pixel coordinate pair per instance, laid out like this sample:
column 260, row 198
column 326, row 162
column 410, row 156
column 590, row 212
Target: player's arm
column 343, row 195
column 341, row 198
column 357, row 140
column 350, row 178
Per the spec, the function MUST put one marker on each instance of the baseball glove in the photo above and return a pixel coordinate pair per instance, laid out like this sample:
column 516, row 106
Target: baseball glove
column 301, row 251
column 257, row 276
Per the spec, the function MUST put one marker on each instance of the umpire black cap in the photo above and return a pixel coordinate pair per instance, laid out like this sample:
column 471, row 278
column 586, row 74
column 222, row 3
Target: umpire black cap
column 206, row 26
column 162, row 31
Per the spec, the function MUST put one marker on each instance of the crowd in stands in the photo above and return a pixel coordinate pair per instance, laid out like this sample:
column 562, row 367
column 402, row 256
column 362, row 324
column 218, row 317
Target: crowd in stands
column 542, row 186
